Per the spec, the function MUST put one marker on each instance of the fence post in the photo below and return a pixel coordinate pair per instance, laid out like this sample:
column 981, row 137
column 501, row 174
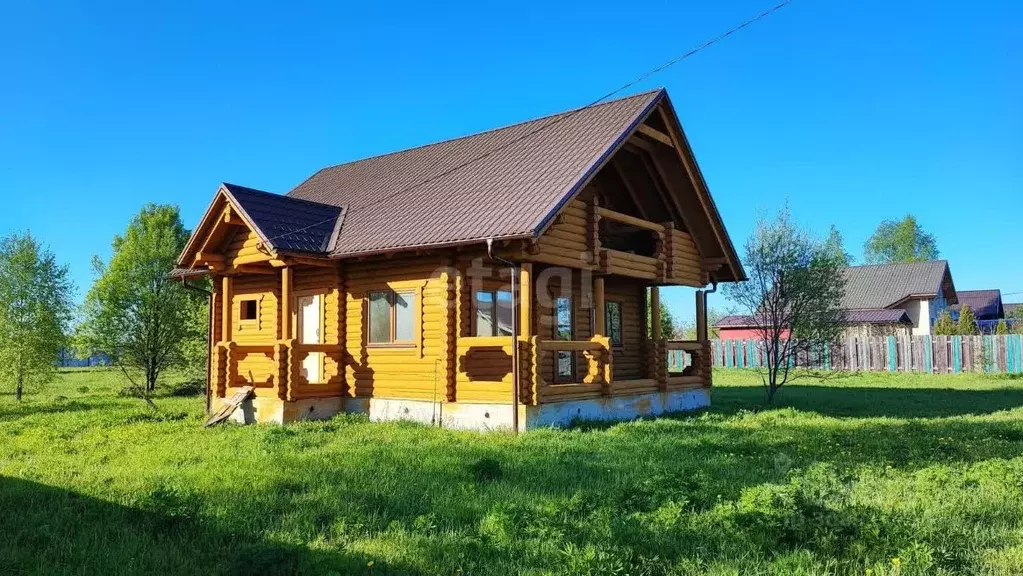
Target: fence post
column 892, row 355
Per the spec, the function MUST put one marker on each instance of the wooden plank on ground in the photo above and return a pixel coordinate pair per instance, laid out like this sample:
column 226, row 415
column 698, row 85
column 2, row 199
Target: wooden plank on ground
column 230, row 406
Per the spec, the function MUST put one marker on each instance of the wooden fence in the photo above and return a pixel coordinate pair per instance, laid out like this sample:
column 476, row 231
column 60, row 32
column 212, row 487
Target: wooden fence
column 928, row 354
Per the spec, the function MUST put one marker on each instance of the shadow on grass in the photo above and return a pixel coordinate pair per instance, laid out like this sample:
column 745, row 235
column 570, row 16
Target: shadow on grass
column 15, row 411
column 869, row 402
column 47, row 530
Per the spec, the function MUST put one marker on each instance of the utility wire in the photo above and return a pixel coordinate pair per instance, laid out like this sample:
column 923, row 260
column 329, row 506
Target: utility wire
column 561, row 117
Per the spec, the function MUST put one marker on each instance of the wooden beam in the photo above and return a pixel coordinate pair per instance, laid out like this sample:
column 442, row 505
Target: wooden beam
column 635, row 144
column 243, row 269
column 285, row 319
column 208, row 257
column 226, row 295
column 655, row 134
column 525, row 299
column 630, row 220
column 701, row 316
column 628, row 188
column 683, row 151
column 655, row 313
column 599, row 320
column 669, row 199
column 230, row 217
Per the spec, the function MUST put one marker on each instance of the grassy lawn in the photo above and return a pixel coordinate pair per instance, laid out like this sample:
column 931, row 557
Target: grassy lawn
column 880, row 474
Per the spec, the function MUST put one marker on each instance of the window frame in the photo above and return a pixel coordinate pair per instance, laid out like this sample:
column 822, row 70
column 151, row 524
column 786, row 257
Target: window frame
column 558, row 377
column 608, row 324
column 254, row 323
column 495, row 305
column 413, row 295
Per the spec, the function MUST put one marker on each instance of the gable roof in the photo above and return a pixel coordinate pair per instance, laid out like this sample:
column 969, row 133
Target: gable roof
column 282, row 224
column 887, row 285
column 286, row 223
column 505, row 183
column 986, row 304
column 442, row 194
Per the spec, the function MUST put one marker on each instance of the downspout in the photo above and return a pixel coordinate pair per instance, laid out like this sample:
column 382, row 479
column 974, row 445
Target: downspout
column 515, row 332
column 209, row 336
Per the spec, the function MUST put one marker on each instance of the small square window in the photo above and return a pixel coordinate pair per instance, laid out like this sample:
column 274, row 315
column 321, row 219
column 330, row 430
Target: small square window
column 249, row 310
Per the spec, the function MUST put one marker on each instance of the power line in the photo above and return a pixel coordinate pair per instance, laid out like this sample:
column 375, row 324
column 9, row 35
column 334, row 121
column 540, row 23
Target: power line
column 561, row 117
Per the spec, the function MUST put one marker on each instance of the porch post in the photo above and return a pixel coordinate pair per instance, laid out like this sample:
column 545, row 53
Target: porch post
column 286, row 277
column 655, row 313
column 599, row 320
column 525, row 300
column 701, row 316
column 658, row 350
column 225, row 309
column 284, row 358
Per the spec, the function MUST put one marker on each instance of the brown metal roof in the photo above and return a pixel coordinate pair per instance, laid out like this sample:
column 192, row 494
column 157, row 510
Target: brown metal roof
column 886, row 285
column 502, row 183
column 287, row 224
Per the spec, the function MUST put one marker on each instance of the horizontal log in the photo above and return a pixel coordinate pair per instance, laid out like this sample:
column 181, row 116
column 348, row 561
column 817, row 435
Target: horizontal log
column 573, row 262
column 630, row 220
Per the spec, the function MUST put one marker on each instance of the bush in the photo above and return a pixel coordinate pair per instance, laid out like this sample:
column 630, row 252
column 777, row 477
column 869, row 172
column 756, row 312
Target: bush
column 967, row 325
column 1003, row 327
column 944, row 325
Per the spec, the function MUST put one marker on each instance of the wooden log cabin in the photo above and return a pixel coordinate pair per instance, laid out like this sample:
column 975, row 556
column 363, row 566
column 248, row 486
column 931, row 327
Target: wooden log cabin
column 496, row 280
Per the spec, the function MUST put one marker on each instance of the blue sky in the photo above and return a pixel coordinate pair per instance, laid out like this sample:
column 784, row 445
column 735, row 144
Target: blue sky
column 853, row 111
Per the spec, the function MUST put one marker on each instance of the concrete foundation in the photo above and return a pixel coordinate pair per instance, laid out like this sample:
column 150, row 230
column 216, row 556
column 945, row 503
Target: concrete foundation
column 466, row 416
column 277, row 411
column 618, row 407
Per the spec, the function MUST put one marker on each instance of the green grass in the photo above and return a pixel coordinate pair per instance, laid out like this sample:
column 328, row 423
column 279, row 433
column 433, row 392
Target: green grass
column 895, row 474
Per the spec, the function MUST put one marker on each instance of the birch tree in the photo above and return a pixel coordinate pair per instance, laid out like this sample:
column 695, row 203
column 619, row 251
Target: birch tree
column 794, row 294
column 35, row 312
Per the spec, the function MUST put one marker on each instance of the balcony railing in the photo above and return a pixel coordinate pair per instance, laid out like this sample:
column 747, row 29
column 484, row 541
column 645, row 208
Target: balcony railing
column 675, row 258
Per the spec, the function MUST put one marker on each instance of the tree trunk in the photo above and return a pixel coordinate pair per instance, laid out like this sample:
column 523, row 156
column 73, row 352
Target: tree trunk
column 20, row 386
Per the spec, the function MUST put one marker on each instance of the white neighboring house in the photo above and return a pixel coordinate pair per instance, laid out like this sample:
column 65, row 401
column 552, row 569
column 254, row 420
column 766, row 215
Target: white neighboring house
column 920, row 289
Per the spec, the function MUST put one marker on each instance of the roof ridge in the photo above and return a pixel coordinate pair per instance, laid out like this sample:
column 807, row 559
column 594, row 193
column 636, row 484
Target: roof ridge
column 897, row 264
column 474, row 134
column 285, row 196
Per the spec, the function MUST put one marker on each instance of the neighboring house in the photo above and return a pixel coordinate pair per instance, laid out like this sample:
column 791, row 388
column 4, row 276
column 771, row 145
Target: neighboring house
column 882, row 299
column 986, row 306
column 370, row 286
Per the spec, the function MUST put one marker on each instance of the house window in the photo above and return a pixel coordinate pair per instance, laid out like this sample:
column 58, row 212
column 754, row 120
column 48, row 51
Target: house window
column 613, row 321
column 493, row 313
column 391, row 318
column 564, row 368
column 249, row 310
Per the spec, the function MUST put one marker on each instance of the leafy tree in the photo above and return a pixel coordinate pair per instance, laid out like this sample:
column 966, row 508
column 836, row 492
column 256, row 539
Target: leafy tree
column 795, row 289
column 1002, row 328
column 195, row 346
column 835, row 246
column 967, row 325
column 944, row 325
column 134, row 312
column 901, row 241
column 35, row 311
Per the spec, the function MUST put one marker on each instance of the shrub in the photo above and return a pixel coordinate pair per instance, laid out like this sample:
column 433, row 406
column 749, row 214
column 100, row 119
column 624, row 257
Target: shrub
column 944, row 325
column 1002, row 328
column 967, row 325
